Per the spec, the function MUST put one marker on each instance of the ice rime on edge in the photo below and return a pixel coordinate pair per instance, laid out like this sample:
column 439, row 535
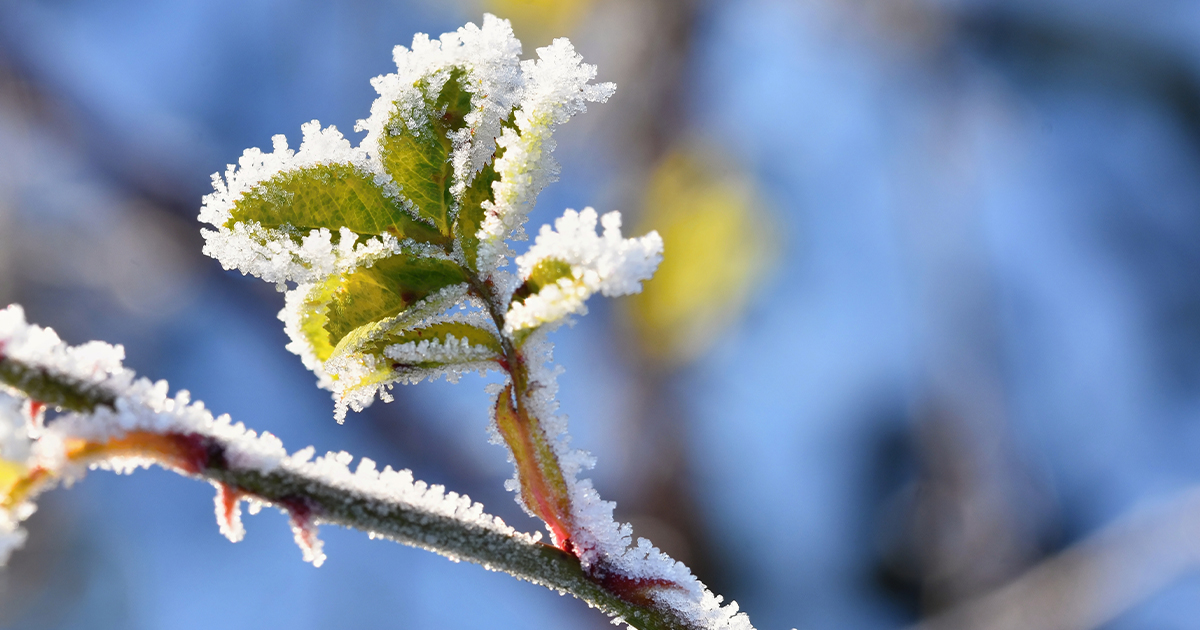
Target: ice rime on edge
column 598, row 538
column 271, row 254
column 556, row 88
column 143, row 405
column 606, row 263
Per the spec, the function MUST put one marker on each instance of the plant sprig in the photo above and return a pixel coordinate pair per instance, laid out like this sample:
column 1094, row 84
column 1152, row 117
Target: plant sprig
column 393, row 257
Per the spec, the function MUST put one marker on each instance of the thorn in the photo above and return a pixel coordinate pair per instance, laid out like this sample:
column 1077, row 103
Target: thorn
column 304, row 528
column 229, row 511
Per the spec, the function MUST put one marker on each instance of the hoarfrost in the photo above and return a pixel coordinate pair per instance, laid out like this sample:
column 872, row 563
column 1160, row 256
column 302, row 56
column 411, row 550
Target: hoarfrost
column 490, row 56
column 292, row 316
column 556, row 87
column 144, row 407
column 272, row 254
column 450, row 350
column 15, row 427
column 602, row 544
column 606, row 263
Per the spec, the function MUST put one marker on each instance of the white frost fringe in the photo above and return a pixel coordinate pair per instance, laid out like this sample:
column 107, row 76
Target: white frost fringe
column 598, row 538
column 606, row 263
column 145, row 406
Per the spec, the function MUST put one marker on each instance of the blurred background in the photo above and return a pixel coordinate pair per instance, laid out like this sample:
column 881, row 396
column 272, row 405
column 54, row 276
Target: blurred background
column 925, row 348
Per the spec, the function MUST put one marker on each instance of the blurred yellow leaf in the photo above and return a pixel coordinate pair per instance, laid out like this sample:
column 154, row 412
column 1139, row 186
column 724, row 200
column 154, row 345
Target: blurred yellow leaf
column 537, row 21
column 717, row 242
column 10, row 474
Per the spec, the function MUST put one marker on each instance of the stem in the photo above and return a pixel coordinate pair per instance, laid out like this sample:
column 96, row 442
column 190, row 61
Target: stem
column 543, row 485
column 38, row 383
column 534, row 562
column 406, row 524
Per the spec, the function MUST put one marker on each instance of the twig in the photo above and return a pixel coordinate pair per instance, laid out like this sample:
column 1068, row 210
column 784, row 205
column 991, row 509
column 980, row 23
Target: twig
column 1094, row 581
column 517, row 554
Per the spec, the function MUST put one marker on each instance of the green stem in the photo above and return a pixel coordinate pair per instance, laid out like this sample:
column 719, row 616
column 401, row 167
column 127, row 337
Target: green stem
column 41, row 385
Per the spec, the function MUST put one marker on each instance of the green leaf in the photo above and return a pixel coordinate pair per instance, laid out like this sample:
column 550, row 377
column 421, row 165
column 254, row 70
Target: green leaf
column 387, row 369
column 471, row 215
column 548, row 271
column 460, row 330
column 313, row 317
column 328, row 196
column 419, row 159
column 369, row 298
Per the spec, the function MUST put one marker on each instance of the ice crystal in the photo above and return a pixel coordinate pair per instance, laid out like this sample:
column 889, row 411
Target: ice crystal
column 450, row 350
column 144, row 407
column 606, row 263
column 556, row 88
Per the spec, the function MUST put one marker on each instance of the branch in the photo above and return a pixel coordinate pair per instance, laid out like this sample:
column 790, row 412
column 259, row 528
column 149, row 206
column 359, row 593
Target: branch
column 1094, row 581
column 323, row 491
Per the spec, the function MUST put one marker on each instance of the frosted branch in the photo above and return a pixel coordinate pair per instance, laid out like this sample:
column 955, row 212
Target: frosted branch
column 122, row 423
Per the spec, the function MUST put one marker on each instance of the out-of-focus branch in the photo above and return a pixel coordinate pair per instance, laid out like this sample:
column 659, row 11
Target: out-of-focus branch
column 1094, row 581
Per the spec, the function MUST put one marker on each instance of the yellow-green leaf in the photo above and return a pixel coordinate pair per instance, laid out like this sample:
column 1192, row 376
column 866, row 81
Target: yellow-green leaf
column 548, row 271
column 328, row 196
column 367, row 298
column 419, row 159
column 471, row 214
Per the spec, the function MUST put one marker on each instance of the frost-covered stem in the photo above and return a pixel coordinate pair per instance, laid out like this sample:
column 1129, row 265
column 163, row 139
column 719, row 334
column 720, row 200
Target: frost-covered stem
column 326, row 503
column 50, row 389
column 543, row 485
column 534, row 562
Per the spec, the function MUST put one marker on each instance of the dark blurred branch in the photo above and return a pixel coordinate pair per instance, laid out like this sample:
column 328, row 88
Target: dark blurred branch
column 1047, row 51
column 1094, row 581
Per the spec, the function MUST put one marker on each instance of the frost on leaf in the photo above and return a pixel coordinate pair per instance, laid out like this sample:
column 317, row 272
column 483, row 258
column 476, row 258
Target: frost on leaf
column 569, row 263
column 556, row 87
column 375, row 241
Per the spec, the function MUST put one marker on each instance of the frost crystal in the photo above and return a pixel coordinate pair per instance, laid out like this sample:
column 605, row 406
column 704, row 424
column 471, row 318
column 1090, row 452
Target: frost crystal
column 491, row 58
column 143, row 408
column 556, row 88
column 606, row 263
column 14, row 456
column 272, row 254
column 450, row 350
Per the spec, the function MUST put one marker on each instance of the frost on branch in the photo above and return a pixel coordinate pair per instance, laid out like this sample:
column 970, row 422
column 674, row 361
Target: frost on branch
column 568, row 264
column 145, row 426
